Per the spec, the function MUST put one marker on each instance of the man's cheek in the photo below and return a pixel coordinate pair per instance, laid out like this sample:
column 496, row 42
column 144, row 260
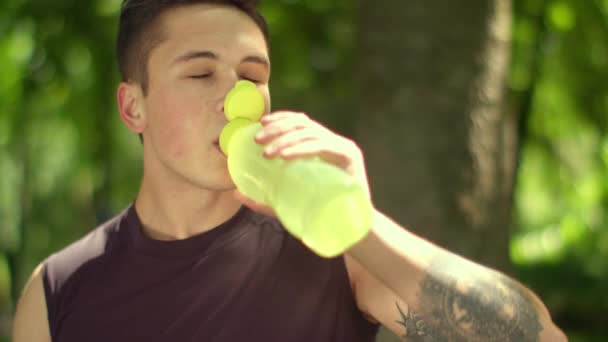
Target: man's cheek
column 173, row 132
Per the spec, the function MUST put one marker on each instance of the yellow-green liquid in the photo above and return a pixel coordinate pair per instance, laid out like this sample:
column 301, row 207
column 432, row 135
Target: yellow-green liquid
column 318, row 203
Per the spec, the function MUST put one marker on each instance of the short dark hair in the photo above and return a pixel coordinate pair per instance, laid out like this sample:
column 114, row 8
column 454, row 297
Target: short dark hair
column 139, row 34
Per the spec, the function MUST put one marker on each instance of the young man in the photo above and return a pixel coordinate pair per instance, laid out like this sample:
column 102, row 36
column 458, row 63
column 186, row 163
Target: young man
column 188, row 262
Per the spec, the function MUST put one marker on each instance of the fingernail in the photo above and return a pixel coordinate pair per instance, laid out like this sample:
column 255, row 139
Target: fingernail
column 260, row 135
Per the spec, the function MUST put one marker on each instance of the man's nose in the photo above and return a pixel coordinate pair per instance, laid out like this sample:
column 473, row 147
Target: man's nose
column 219, row 107
column 225, row 88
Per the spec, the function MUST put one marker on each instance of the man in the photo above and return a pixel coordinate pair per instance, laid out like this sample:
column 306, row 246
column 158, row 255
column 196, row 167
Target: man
column 188, row 262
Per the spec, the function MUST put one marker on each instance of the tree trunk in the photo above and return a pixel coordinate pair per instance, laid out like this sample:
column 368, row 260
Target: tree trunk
column 439, row 144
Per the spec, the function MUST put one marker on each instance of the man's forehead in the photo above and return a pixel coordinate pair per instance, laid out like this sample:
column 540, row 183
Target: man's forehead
column 209, row 19
column 211, row 27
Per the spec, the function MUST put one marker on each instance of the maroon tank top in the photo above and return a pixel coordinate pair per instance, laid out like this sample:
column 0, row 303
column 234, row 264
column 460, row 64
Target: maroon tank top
column 245, row 280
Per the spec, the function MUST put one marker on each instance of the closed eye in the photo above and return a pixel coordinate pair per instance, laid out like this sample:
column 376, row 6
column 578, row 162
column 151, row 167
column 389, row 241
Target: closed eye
column 199, row 76
column 250, row 79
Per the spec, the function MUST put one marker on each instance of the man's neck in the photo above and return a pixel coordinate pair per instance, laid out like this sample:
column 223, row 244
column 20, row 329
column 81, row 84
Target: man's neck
column 180, row 211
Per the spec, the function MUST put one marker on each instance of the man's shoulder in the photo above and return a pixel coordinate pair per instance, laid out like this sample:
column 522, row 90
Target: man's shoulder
column 63, row 264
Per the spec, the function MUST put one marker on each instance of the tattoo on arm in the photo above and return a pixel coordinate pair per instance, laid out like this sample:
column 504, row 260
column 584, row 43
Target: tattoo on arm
column 415, row 329
column 470, row 308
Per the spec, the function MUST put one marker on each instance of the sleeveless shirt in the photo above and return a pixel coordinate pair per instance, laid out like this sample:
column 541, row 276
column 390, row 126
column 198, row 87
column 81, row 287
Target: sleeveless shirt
column 245, row 280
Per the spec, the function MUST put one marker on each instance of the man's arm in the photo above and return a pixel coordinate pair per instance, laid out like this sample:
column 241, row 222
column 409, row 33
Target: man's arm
column 435, row 295
column 424, row 293
column 31, row 323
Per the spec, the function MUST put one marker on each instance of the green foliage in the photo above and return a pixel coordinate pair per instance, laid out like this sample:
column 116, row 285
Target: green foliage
column 4, row 283
column 60, row 139
column 312, row 44
column 559, row 74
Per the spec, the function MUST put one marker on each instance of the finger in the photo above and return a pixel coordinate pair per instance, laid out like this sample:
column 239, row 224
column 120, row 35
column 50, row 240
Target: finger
column 333, row 153
column 279, row 127
column 304, row 149
column 290, row 139
column 266, row 119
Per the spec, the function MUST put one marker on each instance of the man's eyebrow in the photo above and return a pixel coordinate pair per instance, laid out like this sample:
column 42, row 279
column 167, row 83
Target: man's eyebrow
column 258, row 60
column 188, row 56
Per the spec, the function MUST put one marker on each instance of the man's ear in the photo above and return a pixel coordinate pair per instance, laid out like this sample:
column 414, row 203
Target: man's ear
column 129, row 96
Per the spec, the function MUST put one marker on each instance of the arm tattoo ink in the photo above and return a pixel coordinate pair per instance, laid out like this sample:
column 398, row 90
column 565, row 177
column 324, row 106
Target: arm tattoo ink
column 415, row 329
column 472, row 308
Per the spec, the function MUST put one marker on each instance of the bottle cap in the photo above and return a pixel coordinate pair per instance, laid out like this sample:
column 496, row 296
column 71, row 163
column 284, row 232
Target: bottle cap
column 228, row 132
column 245, row 101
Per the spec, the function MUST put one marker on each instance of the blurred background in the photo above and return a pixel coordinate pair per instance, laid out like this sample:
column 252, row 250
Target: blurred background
column 483, row 124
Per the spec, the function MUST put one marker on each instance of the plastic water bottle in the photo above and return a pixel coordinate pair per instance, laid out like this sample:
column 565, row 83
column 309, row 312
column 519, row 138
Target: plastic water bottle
column 318, row 203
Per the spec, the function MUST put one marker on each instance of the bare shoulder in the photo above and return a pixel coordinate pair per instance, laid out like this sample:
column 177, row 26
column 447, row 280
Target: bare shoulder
column 31, row 322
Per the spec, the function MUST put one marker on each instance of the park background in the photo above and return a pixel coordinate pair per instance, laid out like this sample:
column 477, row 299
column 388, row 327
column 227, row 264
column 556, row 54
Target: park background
column 483, row 124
